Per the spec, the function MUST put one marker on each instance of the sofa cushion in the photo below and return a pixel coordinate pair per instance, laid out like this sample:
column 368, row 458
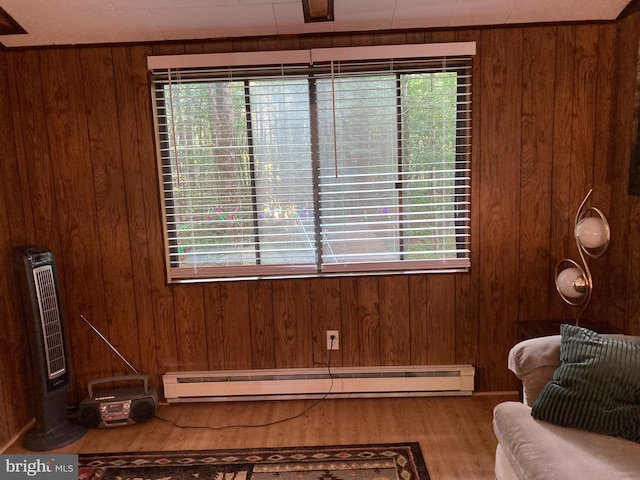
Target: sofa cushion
column 597, row 386
column 540, row 450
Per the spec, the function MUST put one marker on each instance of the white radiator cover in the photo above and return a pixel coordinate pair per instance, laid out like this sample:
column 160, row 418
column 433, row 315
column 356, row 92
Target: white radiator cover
column 233, row 385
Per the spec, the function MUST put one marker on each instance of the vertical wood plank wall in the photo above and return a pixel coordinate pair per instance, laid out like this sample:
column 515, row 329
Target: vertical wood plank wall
column 553, row 117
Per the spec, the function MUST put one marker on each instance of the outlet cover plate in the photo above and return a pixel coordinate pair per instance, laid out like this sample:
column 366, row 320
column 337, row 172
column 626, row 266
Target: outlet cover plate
column 336, row 340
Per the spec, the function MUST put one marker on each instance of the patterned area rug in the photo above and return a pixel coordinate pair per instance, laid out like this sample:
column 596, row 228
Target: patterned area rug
column 351, row 462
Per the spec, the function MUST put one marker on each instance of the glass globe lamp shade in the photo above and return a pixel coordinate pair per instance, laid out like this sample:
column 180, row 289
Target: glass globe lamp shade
column 591, row 232
column 571, row 283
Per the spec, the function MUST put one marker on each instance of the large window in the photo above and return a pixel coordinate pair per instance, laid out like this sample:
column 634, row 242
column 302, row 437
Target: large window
column 320, row 162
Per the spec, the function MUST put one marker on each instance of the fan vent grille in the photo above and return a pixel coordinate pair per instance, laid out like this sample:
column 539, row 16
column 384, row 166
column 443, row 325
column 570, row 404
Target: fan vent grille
column 50, row 320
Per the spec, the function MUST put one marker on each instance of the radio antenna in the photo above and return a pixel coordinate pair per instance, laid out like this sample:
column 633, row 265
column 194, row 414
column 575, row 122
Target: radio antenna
column 109, row 343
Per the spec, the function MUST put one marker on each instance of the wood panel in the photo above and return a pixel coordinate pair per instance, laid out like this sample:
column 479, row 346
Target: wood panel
column 467, row 293
column 440, row 320
column 105, row 148
column 325, row 315
column 215, row 327
column 538, row 73
column 234, row 300
column 82, row 282
column 191, row 328
column 394, row 324
column 292, row 310
column 164, row 328
column 262, row 326
column 500, row 109
column 27, row 148
column 15, row 412
column 561, row 207
column 583, row 114
column 607, row 303
column 625, row 212
column 129, row 134
column 551, row 119
column 418, row 325
column 368, row 320
column 350, row 337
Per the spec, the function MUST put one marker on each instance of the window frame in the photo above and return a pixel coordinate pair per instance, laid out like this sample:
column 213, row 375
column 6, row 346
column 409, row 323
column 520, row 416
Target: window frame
column 165, row 65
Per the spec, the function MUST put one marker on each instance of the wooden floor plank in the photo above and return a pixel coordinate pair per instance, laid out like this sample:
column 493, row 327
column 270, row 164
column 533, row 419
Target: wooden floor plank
column 455, row 433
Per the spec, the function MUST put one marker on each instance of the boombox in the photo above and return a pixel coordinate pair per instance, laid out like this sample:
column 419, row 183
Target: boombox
column 121, row 406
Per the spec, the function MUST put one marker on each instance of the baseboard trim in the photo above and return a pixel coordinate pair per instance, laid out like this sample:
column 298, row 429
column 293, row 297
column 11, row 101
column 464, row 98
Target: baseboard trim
column 495, row 394
column 15, row 438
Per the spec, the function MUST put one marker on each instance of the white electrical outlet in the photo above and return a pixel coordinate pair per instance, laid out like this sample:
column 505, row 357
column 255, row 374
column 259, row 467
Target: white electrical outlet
column 335, row 343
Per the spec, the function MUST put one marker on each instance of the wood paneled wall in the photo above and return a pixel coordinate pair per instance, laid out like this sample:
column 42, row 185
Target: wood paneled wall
column 552, row 118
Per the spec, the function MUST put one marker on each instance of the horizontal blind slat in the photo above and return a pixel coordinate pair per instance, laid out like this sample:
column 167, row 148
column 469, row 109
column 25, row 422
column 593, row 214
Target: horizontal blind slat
column 391, row 140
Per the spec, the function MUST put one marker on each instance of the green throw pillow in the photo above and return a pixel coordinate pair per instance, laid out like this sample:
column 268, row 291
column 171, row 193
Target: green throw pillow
column 596, row 387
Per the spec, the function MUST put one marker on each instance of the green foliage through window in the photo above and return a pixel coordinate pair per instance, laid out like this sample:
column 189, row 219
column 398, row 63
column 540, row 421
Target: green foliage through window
column 331, row 169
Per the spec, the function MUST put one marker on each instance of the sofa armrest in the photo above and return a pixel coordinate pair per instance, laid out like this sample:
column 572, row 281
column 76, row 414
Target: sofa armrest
column 533, row 361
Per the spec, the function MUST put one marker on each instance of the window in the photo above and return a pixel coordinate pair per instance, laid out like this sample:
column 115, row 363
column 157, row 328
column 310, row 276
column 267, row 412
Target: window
column 319, row 162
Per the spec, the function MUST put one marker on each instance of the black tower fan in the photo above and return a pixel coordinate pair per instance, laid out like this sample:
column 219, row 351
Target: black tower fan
column 36, row 269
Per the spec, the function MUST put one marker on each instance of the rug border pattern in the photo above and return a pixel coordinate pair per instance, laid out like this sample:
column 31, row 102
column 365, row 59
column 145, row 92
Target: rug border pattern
column 409, row 460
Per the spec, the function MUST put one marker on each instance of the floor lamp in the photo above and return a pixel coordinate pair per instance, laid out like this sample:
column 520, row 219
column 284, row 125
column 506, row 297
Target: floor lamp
column 591, row 232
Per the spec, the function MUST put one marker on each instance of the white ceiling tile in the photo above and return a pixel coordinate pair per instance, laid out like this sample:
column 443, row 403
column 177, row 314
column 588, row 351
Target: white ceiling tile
column 481, row 12
column 176, row 23
column 274, row 2
column 527, row 11
column 104, row 21
column 179, row 23
column 24, row 13
column 11, row 41
column 58, row 27
column 79, row 5
column 176, row 4
column 539, row 11
column 238, row 21
column 246, row 16
column 79, row 28
column 290, row 19
column 598, row 9
column 363, row 14
column 129, row 26
column 417, row 13
column 289, row 13
column 31, row 39
column 15, row 5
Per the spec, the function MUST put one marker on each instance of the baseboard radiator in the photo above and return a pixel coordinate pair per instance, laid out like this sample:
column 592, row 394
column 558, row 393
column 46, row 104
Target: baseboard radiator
column 341, row 382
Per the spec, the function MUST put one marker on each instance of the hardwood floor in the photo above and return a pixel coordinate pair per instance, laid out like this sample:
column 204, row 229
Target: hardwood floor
column 455, row 433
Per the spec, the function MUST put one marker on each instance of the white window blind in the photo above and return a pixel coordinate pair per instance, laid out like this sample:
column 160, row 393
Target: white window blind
column 339, row 161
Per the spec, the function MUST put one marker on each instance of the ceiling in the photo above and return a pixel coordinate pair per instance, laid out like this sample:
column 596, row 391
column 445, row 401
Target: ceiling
column 69, row 22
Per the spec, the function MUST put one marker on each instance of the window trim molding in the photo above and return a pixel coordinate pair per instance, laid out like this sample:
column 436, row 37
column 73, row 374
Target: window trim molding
column 166, row 64
column 314, row 55
column 199, row 274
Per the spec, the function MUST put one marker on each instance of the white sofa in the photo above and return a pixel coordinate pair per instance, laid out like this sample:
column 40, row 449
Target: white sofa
column 533, row 449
